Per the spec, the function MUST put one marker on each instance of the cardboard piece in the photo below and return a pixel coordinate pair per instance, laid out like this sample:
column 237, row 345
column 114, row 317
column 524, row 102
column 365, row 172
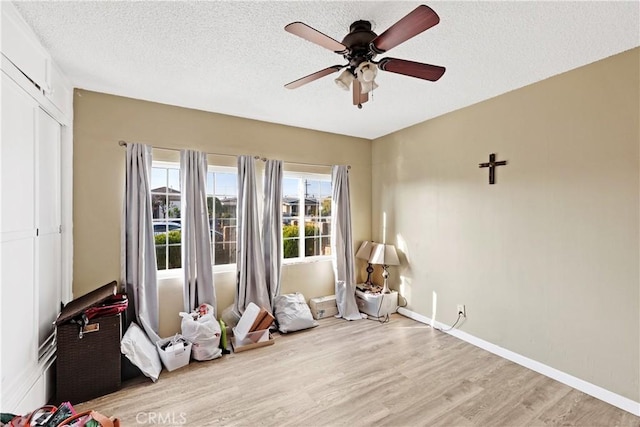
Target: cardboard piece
column 267, row 320
column 259, row 319
column 240, row 345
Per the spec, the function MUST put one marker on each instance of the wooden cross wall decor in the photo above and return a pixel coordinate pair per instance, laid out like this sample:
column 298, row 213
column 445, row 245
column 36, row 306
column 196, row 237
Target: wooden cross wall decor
column 492, row 164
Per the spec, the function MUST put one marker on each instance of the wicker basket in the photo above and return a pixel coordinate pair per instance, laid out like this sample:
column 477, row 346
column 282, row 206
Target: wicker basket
column 88, row 357
column 88, row 367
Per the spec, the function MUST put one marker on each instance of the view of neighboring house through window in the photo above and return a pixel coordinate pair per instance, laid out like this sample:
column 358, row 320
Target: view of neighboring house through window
column 167, row 223
column 306, row 215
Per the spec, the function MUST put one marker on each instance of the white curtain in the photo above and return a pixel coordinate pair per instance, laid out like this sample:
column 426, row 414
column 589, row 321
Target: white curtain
column 251, row 281
column 196, row 235
column 272, row 227
column 138, row 244
column 342, row 245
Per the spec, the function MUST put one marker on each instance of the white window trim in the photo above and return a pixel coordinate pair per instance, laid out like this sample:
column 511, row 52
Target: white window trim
column 301, row 239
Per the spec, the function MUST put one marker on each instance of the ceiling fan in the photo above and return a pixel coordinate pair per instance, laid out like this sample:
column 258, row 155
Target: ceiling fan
column 361, row 45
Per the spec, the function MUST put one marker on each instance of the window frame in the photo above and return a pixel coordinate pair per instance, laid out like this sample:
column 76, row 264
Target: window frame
column 221, row 268
column 178, row 272
column 167, row 272
column 301, row 176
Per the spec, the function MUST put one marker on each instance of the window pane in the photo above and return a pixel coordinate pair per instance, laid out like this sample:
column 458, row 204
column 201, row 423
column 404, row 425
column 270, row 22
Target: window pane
column 173, row 210
column 210, row 183
column 225, row 253
column 159, row 205
column 325, row 245
column 174, row 180
column 226, row 184
column 175, row 260
column 158, row 178
column 161, row 254
column 290, row 208
column 290, row 246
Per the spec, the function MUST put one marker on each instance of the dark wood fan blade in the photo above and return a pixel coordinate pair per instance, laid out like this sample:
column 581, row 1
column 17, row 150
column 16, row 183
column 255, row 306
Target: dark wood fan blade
column 311, row 77
column 359, row 98
column 311, row 34
column 412, row 69
column 420, row 19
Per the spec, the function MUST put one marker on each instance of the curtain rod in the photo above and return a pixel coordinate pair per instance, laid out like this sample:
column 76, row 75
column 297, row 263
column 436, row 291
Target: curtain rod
column 124, row 144
column 264, row 159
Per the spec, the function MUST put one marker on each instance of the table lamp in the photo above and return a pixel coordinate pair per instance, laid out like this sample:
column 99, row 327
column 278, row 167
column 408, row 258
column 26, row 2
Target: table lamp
column 384, row 255
column 365, row 253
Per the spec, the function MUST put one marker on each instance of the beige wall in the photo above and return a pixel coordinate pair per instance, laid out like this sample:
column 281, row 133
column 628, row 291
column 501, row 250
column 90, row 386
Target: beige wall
column 546, row 260
column 102, row 120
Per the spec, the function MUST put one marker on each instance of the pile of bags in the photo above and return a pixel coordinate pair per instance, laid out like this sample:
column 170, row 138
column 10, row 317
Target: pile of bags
column 200, row 336
column 203, row 331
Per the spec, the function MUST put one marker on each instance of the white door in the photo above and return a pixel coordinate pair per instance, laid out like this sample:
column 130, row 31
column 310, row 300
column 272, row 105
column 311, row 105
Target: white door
column 48, row 249
column 17, row 235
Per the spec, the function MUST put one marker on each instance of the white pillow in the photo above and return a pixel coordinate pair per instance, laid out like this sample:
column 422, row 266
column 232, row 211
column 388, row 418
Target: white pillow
column 141, row 351
column 293, row 313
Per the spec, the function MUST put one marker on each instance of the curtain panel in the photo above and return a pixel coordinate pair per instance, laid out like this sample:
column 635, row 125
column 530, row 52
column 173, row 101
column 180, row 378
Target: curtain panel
column 196, row 235
column 272, row 227
column 342, row 245
column 138, row 254
column 251, row 280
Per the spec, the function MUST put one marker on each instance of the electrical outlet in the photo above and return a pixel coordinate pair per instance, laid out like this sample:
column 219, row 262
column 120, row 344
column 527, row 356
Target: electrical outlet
column 462, row 310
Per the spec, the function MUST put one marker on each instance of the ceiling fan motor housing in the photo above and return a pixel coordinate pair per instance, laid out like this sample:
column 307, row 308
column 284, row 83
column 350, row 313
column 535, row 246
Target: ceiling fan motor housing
column 358, row 43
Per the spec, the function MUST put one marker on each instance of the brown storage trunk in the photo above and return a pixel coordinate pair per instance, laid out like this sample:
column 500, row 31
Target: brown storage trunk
column 88, row 363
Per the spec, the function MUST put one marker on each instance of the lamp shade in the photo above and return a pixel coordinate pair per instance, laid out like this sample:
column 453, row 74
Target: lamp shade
column 344, row 80
column 384, row 255
column 365, row 250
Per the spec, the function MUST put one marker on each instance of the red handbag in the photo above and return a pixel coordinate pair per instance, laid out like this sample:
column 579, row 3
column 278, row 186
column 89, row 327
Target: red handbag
column 110, row 307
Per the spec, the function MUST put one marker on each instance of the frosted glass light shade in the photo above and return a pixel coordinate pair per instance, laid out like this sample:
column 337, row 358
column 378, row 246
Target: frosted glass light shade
column 344, row 80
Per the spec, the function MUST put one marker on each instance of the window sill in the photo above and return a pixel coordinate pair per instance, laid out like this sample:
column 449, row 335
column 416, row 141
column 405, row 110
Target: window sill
column 178, row 272
column 311, row 260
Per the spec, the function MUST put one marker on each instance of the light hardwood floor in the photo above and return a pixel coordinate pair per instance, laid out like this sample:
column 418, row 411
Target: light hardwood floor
column 361, row 373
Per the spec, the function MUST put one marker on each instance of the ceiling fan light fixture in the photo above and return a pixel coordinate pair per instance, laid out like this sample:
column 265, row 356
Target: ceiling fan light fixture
column 344, row 80
column 366, row 72
column 366, row 87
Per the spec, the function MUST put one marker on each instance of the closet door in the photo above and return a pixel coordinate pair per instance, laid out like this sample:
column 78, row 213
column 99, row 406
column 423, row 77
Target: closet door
column 17, row 235
column 48, row 219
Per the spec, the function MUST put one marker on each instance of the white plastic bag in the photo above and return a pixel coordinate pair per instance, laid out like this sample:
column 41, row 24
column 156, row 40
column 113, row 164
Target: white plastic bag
column 203, row 332
column 137, row 347
column 293, row 313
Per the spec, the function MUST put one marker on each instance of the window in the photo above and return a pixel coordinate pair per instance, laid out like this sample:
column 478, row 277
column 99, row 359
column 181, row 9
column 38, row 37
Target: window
column 167, row 222
column 222, row 202
column 306, row 215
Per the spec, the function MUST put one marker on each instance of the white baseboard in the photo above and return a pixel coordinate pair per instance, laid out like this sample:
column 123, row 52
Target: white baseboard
column 584, row 386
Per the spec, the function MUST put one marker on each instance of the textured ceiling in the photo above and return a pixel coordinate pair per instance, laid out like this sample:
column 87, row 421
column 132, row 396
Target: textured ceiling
column 234, row 57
